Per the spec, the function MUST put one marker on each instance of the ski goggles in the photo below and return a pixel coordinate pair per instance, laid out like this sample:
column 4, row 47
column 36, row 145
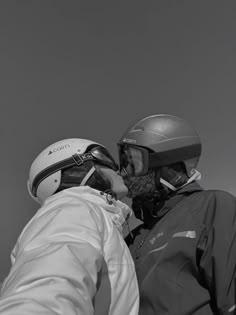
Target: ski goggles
column 97, row 154
column 103, row 157
column 134, row 161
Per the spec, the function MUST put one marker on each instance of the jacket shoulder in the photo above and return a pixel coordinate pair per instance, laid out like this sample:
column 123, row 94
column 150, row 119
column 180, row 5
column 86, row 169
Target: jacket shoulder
column 219, row 208
column 220, row 195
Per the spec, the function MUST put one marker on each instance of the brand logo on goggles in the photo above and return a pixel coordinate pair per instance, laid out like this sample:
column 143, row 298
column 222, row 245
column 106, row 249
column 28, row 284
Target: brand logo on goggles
column 86, row 156
column 129, row 140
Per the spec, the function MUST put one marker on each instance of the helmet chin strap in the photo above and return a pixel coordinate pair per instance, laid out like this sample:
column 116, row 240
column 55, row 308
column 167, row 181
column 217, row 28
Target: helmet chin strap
column 168, row 185
column 196, row 175
column 87, row 176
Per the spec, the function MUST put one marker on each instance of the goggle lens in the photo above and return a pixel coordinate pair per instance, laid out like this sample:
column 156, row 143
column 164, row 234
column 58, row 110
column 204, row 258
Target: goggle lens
column 132, row 161
column 102, row 156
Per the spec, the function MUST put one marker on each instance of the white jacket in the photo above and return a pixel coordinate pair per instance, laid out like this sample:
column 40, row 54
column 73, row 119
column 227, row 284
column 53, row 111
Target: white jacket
column 71, row 259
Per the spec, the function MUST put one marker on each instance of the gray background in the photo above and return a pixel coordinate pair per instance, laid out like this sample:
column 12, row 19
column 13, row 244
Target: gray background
column 89, row 69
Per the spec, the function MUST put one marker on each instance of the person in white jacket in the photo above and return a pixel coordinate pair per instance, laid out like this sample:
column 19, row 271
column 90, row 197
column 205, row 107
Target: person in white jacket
column 71, row 259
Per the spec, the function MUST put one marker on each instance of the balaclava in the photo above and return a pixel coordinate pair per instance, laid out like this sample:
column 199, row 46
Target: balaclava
column 148, row 193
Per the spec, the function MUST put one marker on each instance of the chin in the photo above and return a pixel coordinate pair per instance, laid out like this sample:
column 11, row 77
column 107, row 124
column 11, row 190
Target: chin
column 121, row 192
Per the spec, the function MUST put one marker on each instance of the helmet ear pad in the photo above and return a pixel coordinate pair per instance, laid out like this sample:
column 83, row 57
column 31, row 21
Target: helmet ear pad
column 73, row 176
column 175, row 174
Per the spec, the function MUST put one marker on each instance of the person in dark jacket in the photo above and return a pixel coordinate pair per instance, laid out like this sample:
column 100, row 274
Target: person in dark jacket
column 185, row 249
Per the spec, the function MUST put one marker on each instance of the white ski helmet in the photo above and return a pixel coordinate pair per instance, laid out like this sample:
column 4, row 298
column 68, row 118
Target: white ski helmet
column 45, row 172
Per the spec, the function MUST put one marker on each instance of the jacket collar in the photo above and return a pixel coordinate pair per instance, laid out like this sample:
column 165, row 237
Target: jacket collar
column 190, row 188
column 177, row 196
column 150, row 210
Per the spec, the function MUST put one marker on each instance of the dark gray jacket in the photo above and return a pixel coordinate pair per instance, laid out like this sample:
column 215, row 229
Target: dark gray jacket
column 186, row 263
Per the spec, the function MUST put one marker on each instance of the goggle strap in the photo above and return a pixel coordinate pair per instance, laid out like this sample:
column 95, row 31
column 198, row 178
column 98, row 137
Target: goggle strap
column 173, row 156
column 49, row 171
column 79, row 159
column 76, row 159
column 87, row 176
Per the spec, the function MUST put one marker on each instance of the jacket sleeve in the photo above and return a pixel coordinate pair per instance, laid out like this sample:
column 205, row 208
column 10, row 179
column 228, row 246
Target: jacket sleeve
column 218, row 253
column 57, row 271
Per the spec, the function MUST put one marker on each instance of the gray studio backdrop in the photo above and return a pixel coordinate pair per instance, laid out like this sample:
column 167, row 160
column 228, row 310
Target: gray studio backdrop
column 90, row 68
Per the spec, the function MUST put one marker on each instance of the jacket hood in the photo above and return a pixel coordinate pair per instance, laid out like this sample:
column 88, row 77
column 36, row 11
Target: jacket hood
column 119, row 211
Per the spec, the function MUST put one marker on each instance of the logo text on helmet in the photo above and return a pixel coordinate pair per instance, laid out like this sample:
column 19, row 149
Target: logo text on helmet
column 129, row 140
column 86, row 156
column 62, row 147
